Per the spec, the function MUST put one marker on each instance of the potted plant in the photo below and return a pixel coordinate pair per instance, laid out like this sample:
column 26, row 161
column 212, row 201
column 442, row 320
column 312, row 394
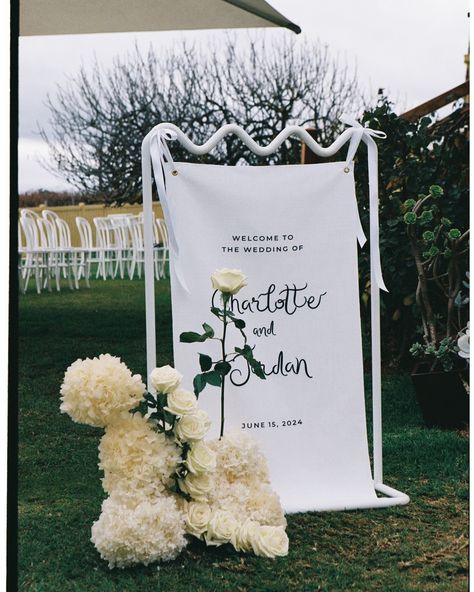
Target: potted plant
column 439, row 251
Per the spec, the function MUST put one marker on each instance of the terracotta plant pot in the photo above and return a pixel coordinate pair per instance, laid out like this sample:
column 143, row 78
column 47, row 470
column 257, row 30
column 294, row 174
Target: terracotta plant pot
column 442, row 398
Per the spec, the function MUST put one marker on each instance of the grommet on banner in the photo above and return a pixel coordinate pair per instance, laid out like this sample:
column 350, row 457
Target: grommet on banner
column 347, row 169
column 174, row 173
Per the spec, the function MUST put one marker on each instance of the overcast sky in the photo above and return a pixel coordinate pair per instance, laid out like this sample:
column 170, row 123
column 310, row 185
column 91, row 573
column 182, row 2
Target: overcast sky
column 414, row 49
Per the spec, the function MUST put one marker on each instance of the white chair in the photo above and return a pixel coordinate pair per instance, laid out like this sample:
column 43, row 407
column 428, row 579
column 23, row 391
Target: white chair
column 161, row 248
column 22, row 257
column 55, row 240
column 74, row 257
column 33, row 254
column 135, row 226
column 108, row 253
column 57, row 256
column 122, row 242
column 89, row 252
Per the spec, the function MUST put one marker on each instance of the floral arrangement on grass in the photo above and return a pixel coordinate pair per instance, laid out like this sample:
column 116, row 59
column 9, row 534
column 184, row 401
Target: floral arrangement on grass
column 164, row 482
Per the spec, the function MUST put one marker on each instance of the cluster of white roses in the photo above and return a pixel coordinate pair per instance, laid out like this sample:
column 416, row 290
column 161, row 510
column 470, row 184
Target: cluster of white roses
column 190, row 427
column 164, row 485
column 240, row 508
column 226, row 481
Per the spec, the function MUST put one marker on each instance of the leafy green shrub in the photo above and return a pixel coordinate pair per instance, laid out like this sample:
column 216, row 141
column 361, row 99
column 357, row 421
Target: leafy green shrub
column 414, row 156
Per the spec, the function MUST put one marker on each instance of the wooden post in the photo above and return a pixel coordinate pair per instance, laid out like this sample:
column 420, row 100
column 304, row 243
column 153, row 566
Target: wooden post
column 307, row 155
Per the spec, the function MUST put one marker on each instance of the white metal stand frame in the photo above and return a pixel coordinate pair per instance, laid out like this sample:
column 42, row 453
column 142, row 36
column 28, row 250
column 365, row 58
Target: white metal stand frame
column 354, row 135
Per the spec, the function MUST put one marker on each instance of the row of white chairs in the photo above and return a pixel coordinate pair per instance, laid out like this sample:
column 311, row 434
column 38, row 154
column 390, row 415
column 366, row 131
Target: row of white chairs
column 45, row 249
column 119, row 247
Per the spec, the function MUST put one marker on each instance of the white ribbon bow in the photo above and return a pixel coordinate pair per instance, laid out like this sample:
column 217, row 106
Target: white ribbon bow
column 359, row 132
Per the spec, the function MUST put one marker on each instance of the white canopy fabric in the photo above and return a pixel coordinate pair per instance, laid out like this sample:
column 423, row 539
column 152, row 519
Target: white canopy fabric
column 63, row 17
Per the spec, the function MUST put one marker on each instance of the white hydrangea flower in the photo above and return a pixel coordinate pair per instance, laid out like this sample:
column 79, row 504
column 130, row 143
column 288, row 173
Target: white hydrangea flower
column 97, row 391
column 152, row 530
column 241, row 458
column 135, row 457
column 264, row 506
column 241, row 489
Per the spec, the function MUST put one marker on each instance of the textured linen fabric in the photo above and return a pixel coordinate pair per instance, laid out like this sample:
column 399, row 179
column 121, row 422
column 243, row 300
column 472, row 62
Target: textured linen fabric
column 293, row 231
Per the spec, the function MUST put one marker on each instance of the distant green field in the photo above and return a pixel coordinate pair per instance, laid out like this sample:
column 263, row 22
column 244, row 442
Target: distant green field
column 419, row 547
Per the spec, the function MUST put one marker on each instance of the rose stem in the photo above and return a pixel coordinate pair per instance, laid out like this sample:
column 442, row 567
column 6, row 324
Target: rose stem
column 223, row 359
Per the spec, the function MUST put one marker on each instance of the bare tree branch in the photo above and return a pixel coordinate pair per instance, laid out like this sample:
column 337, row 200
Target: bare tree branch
column 99, row 119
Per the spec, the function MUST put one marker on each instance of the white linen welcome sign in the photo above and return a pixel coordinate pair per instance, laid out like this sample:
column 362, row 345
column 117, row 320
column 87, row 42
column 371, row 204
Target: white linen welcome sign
column 293, row 231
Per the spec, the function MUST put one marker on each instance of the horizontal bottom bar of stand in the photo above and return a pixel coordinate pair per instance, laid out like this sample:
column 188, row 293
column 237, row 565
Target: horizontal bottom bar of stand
column 392, row 493
column 394, row 498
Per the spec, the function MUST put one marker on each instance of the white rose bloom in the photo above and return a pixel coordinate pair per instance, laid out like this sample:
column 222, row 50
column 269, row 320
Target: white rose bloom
column 165, row 379
column 201, row 458
column 221, row 528
column 181, row 402
column 197, row 518
column 197, row 486
column 269, row 541
column 193, row 427
column 228, row 281
column 242, row 536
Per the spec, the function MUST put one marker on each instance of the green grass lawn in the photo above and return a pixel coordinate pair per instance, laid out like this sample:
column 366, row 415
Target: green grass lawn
column 422, row 546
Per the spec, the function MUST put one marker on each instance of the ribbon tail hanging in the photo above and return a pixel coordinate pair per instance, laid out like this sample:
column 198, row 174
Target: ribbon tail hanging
column 367, row 135
column 162, row 159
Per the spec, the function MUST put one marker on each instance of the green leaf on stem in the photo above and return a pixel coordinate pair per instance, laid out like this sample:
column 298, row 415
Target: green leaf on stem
column 199, row 383
column 239, row 323
column 223, row 368
column 205, row 362
column 257, row 368
column 162, row 399
column 192, row 337
column 169, row 417
column 208, row 330
column 245, row 351
column 213, row 378
column 151, row 400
